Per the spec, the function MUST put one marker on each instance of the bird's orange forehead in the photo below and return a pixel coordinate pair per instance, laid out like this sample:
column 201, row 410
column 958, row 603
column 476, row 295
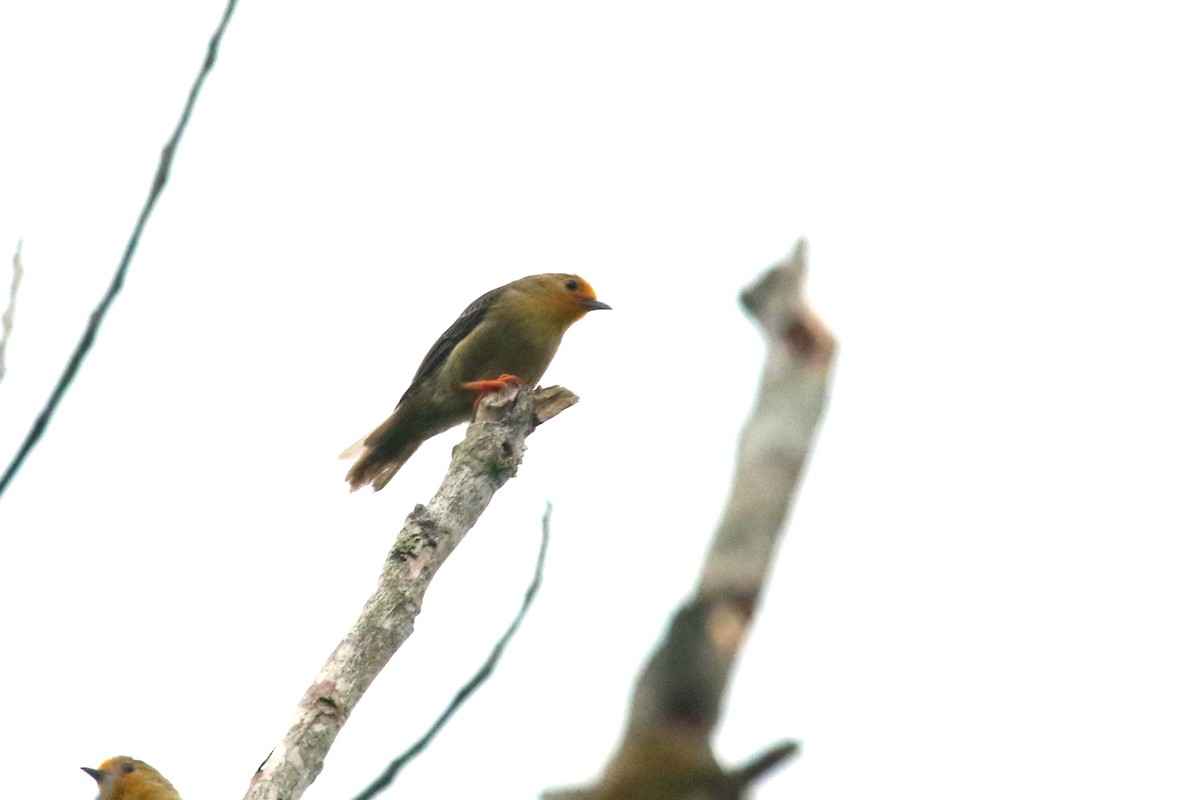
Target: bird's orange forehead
column 585, row 288
column 560, row 295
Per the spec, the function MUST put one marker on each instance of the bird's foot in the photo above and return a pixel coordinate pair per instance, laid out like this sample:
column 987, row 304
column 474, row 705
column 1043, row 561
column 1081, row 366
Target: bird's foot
column 480, row 388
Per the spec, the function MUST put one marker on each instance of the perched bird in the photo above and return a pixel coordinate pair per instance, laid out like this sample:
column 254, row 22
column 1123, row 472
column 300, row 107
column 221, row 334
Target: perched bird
column 508, row 335
column 125, row 778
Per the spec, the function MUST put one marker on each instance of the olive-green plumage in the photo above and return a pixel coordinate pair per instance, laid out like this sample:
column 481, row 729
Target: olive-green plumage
column 513, row 330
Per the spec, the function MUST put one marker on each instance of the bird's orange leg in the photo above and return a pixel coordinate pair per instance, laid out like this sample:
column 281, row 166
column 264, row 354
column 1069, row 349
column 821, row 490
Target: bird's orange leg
column 480, row 388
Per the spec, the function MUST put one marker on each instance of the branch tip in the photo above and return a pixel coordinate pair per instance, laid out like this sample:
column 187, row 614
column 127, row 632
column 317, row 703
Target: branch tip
column 548, row 403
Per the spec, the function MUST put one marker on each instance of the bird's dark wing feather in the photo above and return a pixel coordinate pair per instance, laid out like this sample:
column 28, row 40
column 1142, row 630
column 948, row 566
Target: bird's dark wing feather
column 467, row 321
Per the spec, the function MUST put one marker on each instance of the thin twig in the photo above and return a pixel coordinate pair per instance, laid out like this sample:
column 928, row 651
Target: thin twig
column 484, row 672
column 89, row 334
column 6, row 320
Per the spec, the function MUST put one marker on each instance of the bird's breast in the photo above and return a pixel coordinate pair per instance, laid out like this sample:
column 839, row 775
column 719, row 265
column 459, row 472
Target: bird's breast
column 494, row 348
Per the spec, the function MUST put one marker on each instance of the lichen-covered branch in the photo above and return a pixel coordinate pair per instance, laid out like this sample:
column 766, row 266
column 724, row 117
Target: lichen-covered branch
column 481, row 675
column 666, row 752
column 481, row 464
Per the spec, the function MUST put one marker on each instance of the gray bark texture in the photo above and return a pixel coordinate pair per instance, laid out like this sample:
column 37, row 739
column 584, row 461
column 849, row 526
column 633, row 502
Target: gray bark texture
column 481, row 464
column 666, row 752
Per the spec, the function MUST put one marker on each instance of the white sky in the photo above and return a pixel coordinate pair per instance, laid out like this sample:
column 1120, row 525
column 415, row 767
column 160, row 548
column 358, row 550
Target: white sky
column 989, row 586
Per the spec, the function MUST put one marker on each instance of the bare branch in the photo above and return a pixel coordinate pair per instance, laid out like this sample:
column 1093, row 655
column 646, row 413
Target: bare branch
column 6, row 320
column 482, row 463
column 118, row 280
column 777, row 436
column 666, row 752
column 477, row 680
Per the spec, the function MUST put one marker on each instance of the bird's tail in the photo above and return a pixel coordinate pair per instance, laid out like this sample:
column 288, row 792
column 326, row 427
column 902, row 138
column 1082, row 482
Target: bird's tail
column 377, row 456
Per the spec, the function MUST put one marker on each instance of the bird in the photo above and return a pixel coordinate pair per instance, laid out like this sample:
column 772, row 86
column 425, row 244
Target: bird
column 508, row 335
column 125, row 778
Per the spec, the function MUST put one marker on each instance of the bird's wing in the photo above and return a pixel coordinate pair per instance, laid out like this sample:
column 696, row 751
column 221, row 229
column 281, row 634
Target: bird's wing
column 467, row 321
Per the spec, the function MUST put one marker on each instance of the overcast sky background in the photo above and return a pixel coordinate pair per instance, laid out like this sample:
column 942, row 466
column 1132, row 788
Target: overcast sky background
column 988, row 588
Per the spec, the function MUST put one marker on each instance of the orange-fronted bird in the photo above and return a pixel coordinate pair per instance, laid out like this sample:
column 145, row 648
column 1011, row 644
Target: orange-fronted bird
column 509, row 334
column 125, row 778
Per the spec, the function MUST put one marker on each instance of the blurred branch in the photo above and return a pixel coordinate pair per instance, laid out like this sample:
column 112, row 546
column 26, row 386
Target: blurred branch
column 481, row 464
column 118, row 280
column 765, row 762
column 6, row 320
column 482, row 674
column 666, row 752
column 778, row 435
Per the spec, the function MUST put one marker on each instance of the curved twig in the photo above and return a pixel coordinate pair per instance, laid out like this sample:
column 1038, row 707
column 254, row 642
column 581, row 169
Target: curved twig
column 118, row 280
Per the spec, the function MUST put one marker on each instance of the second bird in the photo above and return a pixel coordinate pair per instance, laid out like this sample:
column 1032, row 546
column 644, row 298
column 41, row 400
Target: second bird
column 509, row 334
column 125, row 778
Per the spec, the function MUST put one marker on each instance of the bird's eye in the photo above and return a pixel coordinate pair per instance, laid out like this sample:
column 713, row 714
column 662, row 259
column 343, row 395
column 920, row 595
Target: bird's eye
column 127, row 768
column 572, row 285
